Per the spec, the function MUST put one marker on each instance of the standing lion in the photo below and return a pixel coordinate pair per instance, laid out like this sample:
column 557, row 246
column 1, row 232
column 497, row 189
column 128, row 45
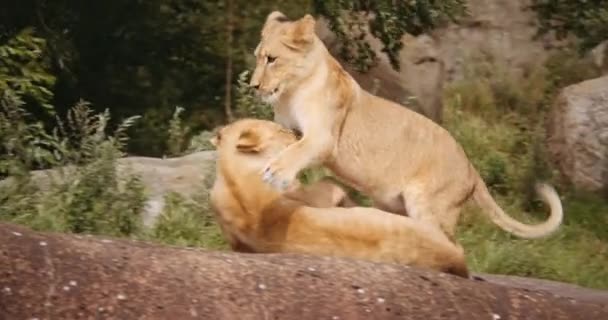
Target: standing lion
column 405, row 162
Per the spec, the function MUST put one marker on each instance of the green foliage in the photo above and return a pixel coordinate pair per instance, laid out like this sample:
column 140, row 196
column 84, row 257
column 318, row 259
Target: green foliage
column 585, row 19
column 177, row 134
column 500, row 154
column 508, row 108
column 188, row 222
column 23, row 144
column 247, row 104
column 387, row 20
column 93, row 199
column 84, row 193
column 24, row 69
column 566, row 67
column 146, row 57
column 201, row 142
column 491, row 89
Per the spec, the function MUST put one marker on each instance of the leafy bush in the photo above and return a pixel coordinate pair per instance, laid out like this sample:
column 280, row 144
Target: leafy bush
column 247, row 104
column 587, row 20
column 387, row 21
column 177, row 133
column 24, row 69
column 84, row 193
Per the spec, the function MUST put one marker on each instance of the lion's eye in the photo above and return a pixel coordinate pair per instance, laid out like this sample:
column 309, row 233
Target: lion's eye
column 271, row 59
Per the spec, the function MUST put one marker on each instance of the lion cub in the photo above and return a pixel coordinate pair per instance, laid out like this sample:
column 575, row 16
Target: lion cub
column 264, row 220
column 405, row 162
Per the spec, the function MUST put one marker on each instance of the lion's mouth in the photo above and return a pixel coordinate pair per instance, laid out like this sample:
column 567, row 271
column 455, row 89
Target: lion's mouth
column 270, row 96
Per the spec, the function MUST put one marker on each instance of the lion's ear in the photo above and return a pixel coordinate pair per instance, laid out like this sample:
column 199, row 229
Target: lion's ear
column 214, row 141
column 301, row 34
column 274, row 18
column 217, row 137
column 249, row 142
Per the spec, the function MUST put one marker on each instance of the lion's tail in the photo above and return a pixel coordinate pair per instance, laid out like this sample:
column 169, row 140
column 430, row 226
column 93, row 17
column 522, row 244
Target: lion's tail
column 548, row 195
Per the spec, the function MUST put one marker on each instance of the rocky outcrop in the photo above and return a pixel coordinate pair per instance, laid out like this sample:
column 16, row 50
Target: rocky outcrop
column 578, row 133
column 419, row 82
column 498, row 30
column 52, row 276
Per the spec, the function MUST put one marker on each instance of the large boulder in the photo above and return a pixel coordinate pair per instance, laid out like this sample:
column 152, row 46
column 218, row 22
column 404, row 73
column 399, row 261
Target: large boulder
column 578, row 133
column 419, row 82
column 53, row 276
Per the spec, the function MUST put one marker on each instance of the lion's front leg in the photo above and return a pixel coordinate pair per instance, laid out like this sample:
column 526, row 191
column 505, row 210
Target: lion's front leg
column 311, row 150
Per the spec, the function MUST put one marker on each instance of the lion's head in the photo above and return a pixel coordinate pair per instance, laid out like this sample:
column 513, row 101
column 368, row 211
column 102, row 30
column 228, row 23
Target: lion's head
column 284, row 55
column 252, row 142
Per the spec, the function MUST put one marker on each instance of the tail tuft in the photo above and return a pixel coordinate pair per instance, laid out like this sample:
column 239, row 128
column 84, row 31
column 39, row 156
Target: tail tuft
column 547, row 194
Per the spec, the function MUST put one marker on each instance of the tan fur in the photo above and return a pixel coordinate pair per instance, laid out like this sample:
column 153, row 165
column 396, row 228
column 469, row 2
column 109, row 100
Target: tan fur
column 321, row 194
column 264, row 220
column 406, row 163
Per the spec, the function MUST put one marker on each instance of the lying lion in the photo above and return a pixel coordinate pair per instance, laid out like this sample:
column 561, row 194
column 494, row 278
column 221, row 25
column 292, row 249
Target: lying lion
column 263, row 220
column 321, row 194
column 405, row 162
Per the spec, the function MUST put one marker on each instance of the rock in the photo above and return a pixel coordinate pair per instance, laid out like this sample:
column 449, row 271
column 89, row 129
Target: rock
column 562, row 289
column 54, row 276
column 501, row 31
column 578, row 133
column 599, row 55
column 185, row 175
column 419, row 83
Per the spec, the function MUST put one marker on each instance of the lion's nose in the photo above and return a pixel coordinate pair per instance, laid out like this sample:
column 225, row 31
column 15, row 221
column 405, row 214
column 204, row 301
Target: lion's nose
column 254, row 84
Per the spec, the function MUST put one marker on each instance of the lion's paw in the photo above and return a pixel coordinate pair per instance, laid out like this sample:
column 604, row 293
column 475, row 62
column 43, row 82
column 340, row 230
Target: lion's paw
column 278, row 175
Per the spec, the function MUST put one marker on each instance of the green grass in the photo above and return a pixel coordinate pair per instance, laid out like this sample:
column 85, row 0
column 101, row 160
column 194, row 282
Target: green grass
column 188, row 222
column 499, row 124
column 576, row 253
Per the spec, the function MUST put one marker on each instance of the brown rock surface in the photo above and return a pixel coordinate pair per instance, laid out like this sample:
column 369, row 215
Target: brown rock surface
column 53, row 276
